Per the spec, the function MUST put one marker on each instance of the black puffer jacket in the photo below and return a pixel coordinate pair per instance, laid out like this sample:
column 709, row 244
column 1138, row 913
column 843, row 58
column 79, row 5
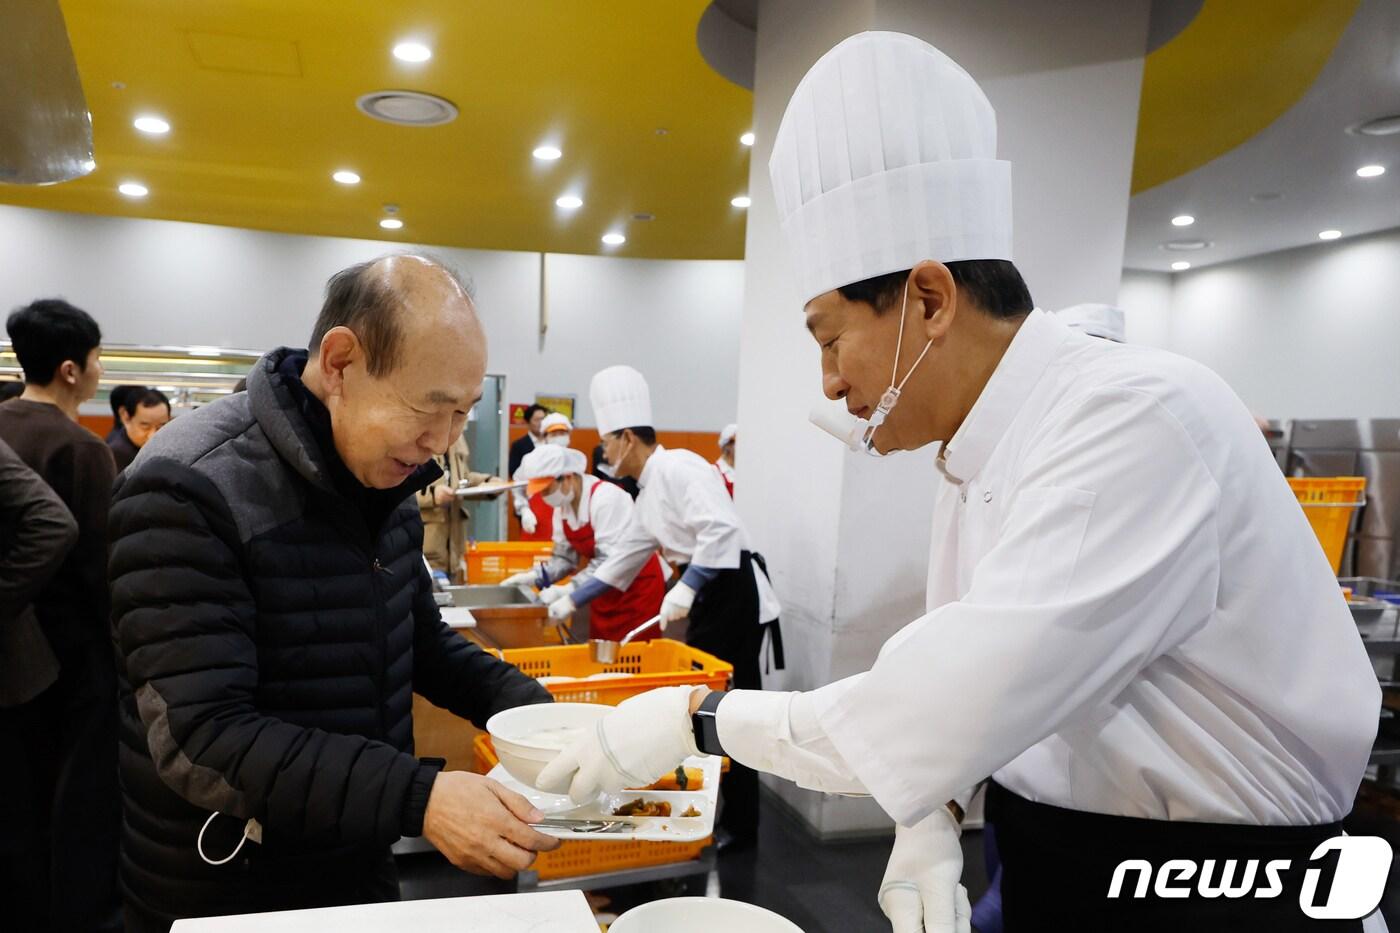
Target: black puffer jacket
column 270, row 645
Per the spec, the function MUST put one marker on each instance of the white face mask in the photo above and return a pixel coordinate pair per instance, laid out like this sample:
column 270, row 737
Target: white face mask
column 558, row 439
column 859, row 433
column 557, row 498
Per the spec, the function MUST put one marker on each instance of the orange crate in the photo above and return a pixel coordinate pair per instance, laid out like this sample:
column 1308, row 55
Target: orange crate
column 573, row 859
column 1329, row 502
column 492, row 561
column 661, row 662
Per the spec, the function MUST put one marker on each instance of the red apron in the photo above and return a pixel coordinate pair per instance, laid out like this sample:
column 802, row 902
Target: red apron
column 544, row 520
column 615, row 613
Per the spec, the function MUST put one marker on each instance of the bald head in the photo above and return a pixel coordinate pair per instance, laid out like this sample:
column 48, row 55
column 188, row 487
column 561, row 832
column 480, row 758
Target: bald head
column 398, row 358
column 393, row 303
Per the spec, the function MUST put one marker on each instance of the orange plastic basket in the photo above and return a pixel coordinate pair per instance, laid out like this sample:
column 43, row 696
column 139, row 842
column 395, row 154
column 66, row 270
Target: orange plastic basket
column 573, row 859
column 492, row 561
column 661, row 662
column 1329, row 503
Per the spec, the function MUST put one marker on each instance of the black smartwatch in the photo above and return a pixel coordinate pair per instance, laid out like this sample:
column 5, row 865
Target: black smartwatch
column 706, row 728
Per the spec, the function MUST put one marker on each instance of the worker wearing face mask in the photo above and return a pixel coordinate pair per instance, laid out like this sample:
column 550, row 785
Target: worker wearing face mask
column 530, row 517
column 556, row 429
column 684, row 511
column 728, row 438
column 1131, row 629
column 590, row 518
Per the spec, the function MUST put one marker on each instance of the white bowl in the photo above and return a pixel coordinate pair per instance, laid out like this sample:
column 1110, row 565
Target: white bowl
column 701, row 915
column 514, row 731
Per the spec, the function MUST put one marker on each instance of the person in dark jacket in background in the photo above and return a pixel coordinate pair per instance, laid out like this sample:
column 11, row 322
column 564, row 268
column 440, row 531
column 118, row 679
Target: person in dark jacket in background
column 274, row 618
column 117, row 399
column 73, row 746
column 141, row 414
column 36, row 532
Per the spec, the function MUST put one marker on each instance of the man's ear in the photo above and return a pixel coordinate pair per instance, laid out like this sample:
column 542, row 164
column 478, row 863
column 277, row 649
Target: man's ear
column 69, row 372
column 932, row 285
column 340, row 350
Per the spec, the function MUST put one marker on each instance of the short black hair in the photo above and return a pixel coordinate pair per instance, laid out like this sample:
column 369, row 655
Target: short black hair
column 994, row 285
column 47, row 333
column 117, row 397
column 145, row 397
column 530, row 412
column 360, row 299
column 11, row 388
column 644, row 434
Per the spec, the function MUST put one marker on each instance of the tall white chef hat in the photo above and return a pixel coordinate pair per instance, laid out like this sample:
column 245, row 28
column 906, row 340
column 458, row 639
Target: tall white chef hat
column 1104, row 321
column 727, row 436
column 886, row 156
column 620, row 399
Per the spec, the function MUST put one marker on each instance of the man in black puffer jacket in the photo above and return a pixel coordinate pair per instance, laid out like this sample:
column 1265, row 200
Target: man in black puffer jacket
column 274, row 618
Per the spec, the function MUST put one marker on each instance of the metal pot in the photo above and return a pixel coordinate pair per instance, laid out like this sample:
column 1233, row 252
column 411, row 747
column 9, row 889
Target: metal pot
column 605, row 651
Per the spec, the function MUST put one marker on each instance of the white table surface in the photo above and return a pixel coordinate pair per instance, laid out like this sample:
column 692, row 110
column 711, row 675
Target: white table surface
column 543, row 912
column 457, row 617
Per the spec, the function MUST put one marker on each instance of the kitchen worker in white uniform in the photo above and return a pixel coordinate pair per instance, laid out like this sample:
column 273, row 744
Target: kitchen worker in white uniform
column 590, row 518
column 684, row 512
column 1131, row 627
column 728, row 440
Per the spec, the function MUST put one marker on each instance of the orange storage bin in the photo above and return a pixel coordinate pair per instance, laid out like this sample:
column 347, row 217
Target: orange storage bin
column 1329, row 503
column 573, row 859
column 492, row 561
column 661, row 662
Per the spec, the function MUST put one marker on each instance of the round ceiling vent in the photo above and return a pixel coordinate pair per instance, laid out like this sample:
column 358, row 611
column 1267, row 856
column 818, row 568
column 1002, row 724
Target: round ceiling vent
column 407, row 108
column 1186, row 246
column 1380, row 126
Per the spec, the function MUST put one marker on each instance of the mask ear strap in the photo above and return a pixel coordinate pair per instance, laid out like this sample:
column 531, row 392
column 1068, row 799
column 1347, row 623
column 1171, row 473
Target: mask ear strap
column 248, row 829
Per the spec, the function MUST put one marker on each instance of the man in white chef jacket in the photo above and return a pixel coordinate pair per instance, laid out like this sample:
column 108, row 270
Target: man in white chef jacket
column 684, row 511
column 1131, row 627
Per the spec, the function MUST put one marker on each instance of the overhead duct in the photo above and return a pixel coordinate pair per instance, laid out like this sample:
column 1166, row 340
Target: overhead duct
column 45, row 127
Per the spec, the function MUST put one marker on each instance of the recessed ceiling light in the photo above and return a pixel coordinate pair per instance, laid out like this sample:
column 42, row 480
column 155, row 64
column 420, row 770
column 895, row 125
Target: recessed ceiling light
column 1183, row 220
column 1186, row 246
column 155, row 126
column 569, row 202
column 742, row 200
column 614, row 239
column 391, row 223
column 1370, row 171
column 346, row 177
column 547, row 153
column 1180, row 266
column 747, row 138
column 1329, row 234
column 414, row 52
column 133, row 189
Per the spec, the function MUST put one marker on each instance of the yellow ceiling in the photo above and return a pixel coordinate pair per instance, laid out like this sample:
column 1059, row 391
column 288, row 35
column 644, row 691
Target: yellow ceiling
column 259, row 127
column 1235, row 69
column 260, row 94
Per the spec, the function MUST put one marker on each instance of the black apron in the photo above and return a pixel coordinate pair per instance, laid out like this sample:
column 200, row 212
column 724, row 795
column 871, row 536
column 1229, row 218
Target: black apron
column 1058, row 866
column 724, row 622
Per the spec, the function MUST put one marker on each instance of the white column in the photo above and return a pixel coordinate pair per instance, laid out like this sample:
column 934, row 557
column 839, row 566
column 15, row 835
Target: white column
column 846, row 536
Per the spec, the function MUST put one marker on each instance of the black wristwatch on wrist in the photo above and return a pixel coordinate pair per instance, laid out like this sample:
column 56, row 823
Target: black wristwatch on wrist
column 706, row 728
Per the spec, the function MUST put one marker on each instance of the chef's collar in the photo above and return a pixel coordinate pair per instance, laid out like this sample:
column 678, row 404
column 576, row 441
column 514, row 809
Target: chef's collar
column 1012, row 382
column 642, row 480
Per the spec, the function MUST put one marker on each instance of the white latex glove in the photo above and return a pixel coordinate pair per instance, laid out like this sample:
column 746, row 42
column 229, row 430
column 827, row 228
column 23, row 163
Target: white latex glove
column 633, row 746
column 528, row 522
column 561, row 610
column 922, row 890
column 677, row 603
column 525, row 578
column 551, row 594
